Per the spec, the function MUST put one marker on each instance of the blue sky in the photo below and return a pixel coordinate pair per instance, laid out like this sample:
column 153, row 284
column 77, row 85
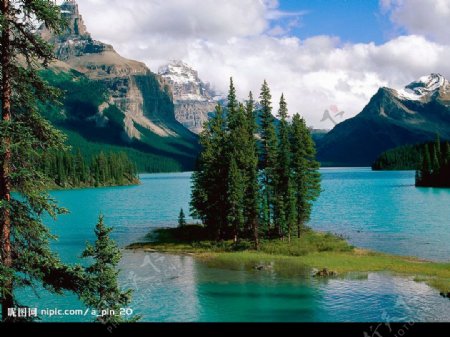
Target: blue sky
column 351, row 20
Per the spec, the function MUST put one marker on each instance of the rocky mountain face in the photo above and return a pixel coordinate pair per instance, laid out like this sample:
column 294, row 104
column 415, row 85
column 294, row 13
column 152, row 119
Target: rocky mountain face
column 194, row 100
column 143, row 99
column 392, row 118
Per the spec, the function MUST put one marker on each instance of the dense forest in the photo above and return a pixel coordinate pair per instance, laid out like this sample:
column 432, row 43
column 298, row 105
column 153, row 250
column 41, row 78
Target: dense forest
column 431, row 161
column 254, row 179
column 405, row 157
column 66, row 169
column 434, row 170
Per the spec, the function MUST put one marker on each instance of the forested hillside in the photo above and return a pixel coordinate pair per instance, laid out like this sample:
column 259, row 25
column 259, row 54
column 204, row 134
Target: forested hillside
column 93, row 126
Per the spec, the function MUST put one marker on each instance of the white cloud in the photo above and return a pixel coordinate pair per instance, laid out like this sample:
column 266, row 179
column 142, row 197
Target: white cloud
column 241, row 39
column 429, row 18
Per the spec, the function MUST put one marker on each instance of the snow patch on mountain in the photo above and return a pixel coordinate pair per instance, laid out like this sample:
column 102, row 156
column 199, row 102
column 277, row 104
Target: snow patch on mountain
column 194, row 99
column 423, row 87
column 185, row 82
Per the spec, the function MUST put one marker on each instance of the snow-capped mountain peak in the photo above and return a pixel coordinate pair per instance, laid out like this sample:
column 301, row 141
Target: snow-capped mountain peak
column 185, row 82
column 179, row 72
column 194, row 99
column 424, row 87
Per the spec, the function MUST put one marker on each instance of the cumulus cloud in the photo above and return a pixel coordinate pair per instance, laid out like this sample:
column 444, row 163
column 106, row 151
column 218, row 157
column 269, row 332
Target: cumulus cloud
column 428, row 18
column 250, row 41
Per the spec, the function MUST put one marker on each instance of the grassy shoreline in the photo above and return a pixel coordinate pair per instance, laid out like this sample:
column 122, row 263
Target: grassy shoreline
column 313, row 251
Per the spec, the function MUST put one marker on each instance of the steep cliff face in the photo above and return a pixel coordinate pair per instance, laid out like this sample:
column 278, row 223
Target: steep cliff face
column 194, row 100
column 143, row 99
column 132, row 87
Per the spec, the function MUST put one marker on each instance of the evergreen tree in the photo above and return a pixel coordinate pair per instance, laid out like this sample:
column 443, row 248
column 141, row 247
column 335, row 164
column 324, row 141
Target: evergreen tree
column 233, row 113
column 305, row 174
column 283, row 190
column 103, row 293
column 181, row 219
column 268, row 153
column 209, row 181
column 438, row 148
column 435, row 168
column 446, row 165
column 251, row 195
column 425, row 171
column 25, row 255
column 235, row 194
column 235, row 162
column 435, row 161
column 446, row 154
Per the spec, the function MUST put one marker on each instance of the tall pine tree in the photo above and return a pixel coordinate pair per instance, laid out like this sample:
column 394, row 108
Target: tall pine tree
column 209, row 181
column 235, row 159
column 268, row 154
column 251, row 195
column 103, row 293
column 25, row 255
column 305, row 174
column 235, row 195
column 283, row 200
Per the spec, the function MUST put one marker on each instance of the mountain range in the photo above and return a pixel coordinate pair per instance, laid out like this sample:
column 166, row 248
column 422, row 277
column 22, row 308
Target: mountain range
column 119, row 104
column 392, row 118
column 113, row 101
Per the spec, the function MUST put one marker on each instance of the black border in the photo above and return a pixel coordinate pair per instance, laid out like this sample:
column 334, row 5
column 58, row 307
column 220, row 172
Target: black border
column 225, row 329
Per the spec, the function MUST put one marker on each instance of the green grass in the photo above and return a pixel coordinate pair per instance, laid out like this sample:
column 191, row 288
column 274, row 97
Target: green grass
column 313, row 250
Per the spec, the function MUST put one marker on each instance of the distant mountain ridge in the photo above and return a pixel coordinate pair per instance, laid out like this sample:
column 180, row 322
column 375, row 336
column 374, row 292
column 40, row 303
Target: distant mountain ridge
column 137, row 101
column 392, row 118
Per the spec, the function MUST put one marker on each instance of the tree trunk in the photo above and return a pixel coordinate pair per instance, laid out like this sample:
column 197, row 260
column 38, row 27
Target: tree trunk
column 299, row 226
column 5, row 169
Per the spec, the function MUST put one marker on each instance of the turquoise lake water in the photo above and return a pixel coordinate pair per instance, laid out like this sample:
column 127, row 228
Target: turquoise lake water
column 376, row 210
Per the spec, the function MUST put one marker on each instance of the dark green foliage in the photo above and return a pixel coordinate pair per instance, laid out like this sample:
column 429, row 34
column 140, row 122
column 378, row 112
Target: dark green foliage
column 430, row 160
column 304, row 171
column 232, row 193
column 235, row 196
column 283, row 198
column 268, row 154
column 81, row 96
column 145, row 162
column 103, row 293
column 66, row 169
column 209, row 180
column 26, row 259
column 406, row 157
column 435, row 168
column 251, row 194
column 181, row 219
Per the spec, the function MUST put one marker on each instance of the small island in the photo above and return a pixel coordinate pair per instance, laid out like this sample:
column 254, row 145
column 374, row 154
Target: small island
column 254, row 197
column 323, row 254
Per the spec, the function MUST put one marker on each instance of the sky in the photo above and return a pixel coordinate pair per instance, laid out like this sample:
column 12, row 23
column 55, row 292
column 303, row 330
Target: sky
column 323, row 54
